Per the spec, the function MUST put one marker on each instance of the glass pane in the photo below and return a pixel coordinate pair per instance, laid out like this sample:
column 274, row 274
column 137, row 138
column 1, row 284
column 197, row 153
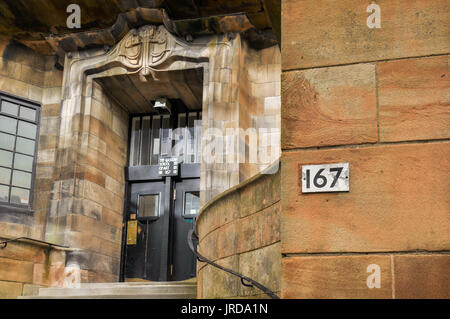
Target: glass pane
column 7, row 141
column 134, row 143
column 166, row 138
column 148, row 205
column 27, row 130
column 20, row 196
column 4, row 193
column 145, row 145
column 179, row 137
column 8, row 124
column 21, row 179
column 191, row 203
column 25, row 146
column 23, row 162
column 155, row 138
column 27, row 113
column 10, row 108
column 5, row 175
column 6, row 158
column 190, row 146
column 198, row 141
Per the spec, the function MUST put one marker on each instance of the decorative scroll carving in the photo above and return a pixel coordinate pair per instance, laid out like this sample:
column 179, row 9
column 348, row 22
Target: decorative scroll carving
column 147, row 47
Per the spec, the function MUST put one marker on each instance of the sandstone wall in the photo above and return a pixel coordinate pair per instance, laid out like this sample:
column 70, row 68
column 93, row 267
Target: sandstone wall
column 378, row 99
column 28, row 75
column 88, row 192
column 26, row 266
column 241, row 91
column 240, row 230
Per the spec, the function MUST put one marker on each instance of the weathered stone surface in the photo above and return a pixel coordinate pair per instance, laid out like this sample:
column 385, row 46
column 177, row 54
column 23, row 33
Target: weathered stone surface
column 334, row 277
column 422, row 276
column 93, row 243
column 218, row 283
column 259, row 194
column 227, row 239
column 414, row 99
column 46, row 275
column 23, row 252
column 329, row 106
column 16, row 270
column 398, row 201
column 262, row 265
column 80, row 223
column 323, row 33
column 31, row 290
column 10, row 290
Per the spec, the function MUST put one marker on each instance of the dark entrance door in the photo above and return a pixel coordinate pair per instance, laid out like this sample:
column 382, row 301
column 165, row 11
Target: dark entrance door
column 187, row 203
column 160, row 209
column 147, row 209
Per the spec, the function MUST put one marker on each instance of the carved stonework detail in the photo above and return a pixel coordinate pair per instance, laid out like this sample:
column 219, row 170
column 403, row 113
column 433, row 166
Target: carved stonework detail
column 147, row 47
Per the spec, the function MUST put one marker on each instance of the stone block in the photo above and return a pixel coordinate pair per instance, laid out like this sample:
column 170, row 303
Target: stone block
column 398, row 201
column 330, row 33
column 329, row 106
column 46, row 275
column 414, row 99
column 227, row 239
column 10, row 290
column 262, row 265
column 335, row 277
column 16, row 270
column 218, row 283
column 422, row 276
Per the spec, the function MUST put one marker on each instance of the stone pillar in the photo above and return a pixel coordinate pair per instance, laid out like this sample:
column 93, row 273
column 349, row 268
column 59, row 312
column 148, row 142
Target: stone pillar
column 377, row 99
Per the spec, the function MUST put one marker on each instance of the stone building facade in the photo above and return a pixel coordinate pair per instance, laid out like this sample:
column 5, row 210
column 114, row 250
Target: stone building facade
column 337, row 89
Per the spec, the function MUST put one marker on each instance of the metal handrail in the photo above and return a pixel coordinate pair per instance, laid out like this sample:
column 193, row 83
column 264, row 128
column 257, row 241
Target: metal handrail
column 252, row 283
column 5, row 242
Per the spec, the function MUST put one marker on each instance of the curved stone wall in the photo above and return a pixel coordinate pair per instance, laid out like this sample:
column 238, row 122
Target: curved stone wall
column 240, row 230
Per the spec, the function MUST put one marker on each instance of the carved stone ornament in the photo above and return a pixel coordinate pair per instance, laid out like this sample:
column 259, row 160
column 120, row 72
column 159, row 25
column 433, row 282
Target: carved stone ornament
column 146, row 47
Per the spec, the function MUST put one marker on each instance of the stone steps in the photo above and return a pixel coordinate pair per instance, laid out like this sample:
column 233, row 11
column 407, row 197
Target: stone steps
column 121, row 290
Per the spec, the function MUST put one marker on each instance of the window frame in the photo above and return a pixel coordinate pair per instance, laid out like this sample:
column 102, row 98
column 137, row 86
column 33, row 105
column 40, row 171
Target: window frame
column 14, row 207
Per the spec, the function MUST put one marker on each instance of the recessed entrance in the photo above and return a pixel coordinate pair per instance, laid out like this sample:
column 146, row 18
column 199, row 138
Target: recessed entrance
column 160, row 210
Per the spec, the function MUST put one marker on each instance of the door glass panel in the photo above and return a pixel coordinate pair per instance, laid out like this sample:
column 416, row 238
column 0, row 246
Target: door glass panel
column 148, row 205
column 25, row 146
column 4, row 193
column 8, row 124
column 10, row 108
column 191, row 203
column 20, row 196
column 6, row 158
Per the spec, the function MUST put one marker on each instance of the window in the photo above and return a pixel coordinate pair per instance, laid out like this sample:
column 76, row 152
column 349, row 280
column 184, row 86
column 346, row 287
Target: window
column 148, row 205
column 153, row 136
column 18, row 135
column 191, row 203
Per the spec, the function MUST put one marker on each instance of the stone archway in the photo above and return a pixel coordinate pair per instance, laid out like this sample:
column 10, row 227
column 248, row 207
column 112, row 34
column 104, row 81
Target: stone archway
column 88, row 189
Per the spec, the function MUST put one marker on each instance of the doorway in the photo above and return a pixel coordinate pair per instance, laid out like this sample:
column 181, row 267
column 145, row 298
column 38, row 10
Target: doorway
column 160, row 210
